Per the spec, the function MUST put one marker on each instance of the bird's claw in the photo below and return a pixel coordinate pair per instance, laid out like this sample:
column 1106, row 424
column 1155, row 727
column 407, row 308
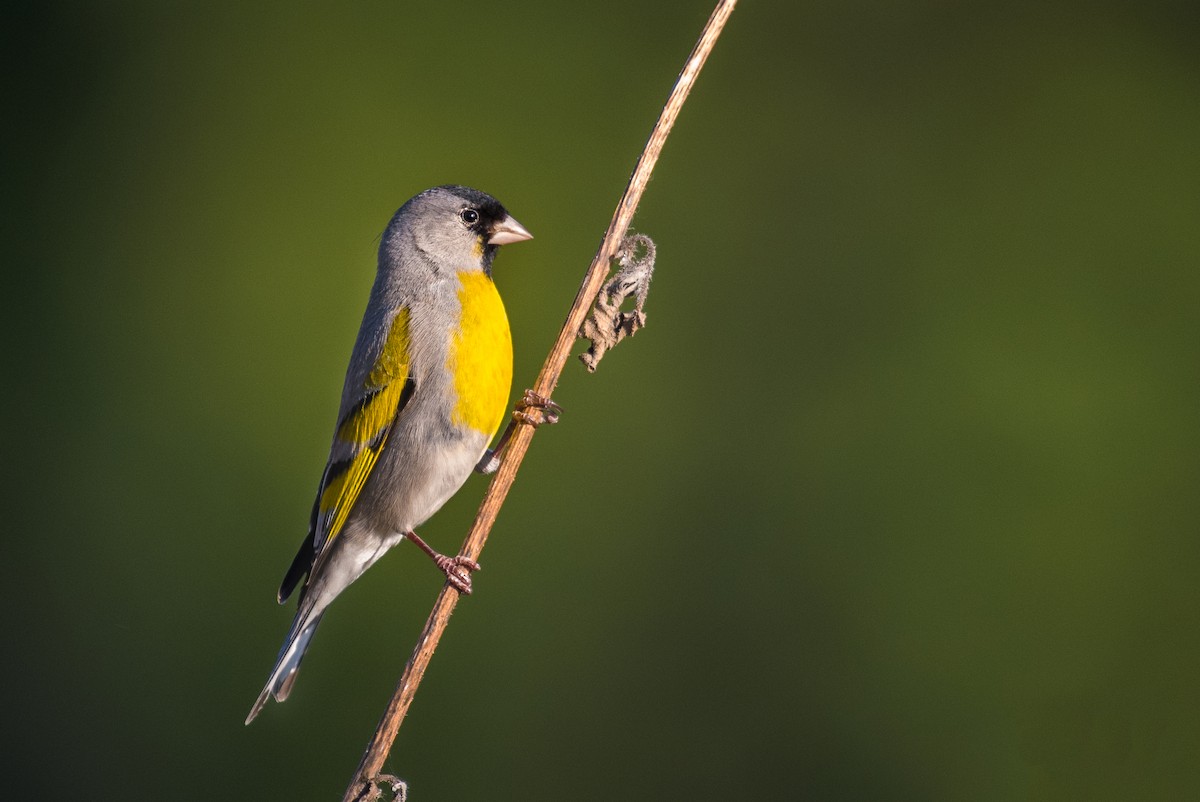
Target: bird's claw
column 532, row 409
column 458, row 571
column 535, row 409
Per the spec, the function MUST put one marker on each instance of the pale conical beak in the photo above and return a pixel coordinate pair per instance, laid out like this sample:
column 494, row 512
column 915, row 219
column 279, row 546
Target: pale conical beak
column 507, row 231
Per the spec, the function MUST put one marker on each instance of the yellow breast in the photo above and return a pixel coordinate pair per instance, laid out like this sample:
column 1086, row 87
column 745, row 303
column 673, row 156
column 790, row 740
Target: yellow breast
column 480, row 358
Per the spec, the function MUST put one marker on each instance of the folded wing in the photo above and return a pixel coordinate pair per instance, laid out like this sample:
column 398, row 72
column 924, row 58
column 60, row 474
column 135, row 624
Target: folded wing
column 360, row 438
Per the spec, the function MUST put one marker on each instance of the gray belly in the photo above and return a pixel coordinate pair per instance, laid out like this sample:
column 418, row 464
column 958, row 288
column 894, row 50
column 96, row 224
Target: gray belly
column 425, row 461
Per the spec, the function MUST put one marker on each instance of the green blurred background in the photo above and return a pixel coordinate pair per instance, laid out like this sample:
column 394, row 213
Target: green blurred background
column 895, row 497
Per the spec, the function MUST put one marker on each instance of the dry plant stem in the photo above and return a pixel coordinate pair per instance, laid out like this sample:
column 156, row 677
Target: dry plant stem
column 547, row 380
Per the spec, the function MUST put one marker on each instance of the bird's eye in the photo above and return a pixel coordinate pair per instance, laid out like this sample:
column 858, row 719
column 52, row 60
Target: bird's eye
column 469, row 216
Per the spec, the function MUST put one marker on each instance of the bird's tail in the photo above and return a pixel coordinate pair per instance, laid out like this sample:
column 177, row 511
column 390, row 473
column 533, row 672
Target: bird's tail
column 284, row 674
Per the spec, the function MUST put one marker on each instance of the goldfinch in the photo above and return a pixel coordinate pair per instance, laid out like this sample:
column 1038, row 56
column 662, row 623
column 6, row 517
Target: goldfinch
column 425, row 392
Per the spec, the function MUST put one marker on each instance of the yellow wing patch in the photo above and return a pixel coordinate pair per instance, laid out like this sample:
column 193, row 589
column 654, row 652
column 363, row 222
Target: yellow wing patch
column 365, row 428
column 393, row 357
column 340, row 493
column 480, row 358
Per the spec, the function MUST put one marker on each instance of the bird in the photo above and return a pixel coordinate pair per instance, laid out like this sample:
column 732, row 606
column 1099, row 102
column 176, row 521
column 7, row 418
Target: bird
column 425, row 392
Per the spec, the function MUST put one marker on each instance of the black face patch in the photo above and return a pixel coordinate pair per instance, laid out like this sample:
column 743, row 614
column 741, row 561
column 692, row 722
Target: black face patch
column 486, row 217
column 489, row 211
column 489, row 256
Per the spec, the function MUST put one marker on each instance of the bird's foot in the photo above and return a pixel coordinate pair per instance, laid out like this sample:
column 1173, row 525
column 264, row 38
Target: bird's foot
column 457, row 569
column 532, row 409
column 536, row 410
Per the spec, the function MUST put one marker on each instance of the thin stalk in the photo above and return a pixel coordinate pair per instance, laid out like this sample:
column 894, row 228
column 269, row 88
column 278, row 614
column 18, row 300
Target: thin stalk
column 362, row 786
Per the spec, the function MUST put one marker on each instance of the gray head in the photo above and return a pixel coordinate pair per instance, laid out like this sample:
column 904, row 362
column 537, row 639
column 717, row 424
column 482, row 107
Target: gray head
column 457, row 227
